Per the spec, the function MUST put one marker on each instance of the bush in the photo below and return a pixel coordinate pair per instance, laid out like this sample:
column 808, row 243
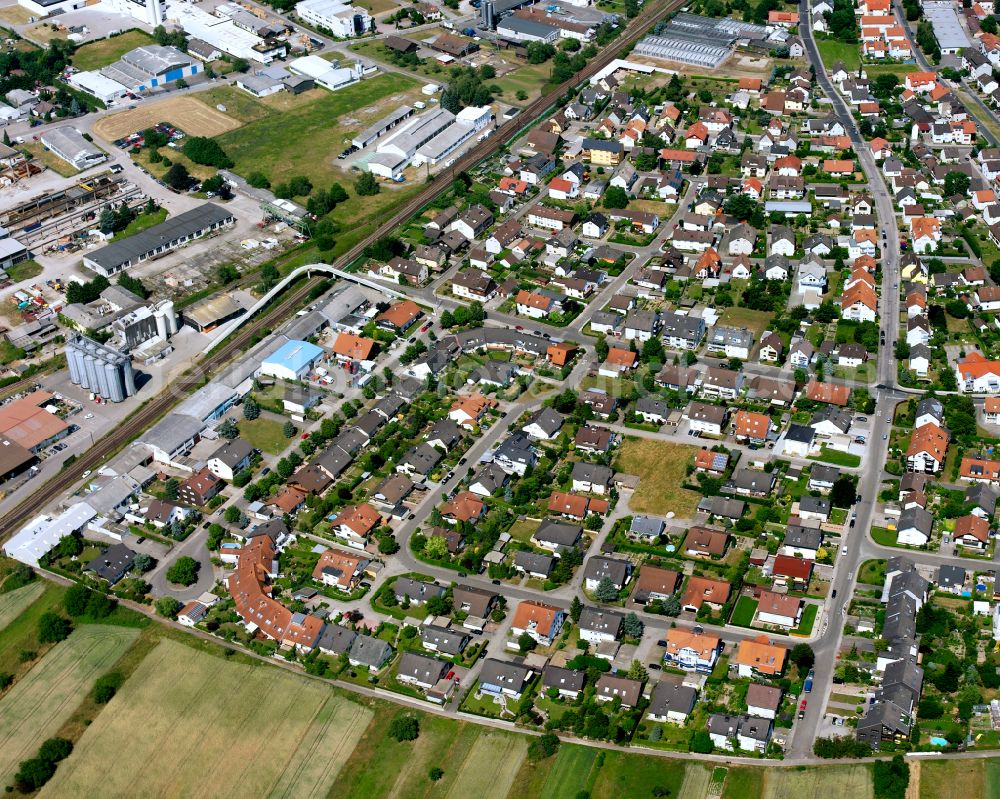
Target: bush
column 435, row 773
column 53, row 628
column 33, row 774
column 184, row 571
column 168, row 607
column 55, row 749
column 404, row 728
column 543, row 746
column 107, row 686
column 75, row 600
column 207, row 152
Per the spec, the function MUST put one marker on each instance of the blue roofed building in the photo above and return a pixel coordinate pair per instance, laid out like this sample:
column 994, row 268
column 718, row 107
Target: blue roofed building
column 292, row 361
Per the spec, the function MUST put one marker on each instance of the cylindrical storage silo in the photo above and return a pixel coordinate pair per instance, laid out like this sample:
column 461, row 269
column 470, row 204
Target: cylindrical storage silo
column 162, row 325
column 128, row 376
column 90, row 370
column 112, row 379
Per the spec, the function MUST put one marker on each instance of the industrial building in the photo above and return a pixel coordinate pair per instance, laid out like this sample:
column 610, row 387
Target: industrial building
column 150, row 12
column 700, row 41
column 151, row 66
column 39, row 536
column 417, row 133
column 324, row 73
column 32, row 421
column 220, row 31
column 292, row 361
column 427, row 139
column 382, row 127
column 492, row 11
column 526, row 30
column 212, row 312
column 100, row 369
column 341, row 19
column 14, row 459
column 11, row 252
column 145, row 324
column 158, row 240
column 68, row 143
column 948, row 29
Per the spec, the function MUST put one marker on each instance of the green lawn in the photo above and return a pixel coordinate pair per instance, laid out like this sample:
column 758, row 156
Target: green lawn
column 742, row 783
column 627, row 775
column 757, row 321
column 95, row 55
column 24, row 270
column 886, row 538
column 264, row 434
column 144, row 221
column 837, row 458
column 832, row 51
column 807, row 621
column 744, row 611
column 872, row 572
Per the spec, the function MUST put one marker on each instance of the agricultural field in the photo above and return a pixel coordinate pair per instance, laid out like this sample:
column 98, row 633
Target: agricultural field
column 95, row 55
column 14, row 603
column 570, row 772
column 490, row 767
column 661, row 467
column 297, row 733
column 818, row 783
column 633, row 775
column 938, row 778
column 38, row 704
column 191, row 115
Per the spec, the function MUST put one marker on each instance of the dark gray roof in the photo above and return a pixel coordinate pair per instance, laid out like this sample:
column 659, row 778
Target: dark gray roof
column 416, row 590
column 336, row 639
column 599, row 567
column 369, row 651
column 592, row 473
column 565, row 679
column 548, row 420
column 558, row 533
column 668, row 696
column 602, row 621
column 803, row 537
column 131, row 248
column 504, row 674
column 422, row 668
column 824, row 474
column 534, row 562
column 233, row 452
column 113, row 563
column 451, row 642
column 950, row 575
column 811, row 504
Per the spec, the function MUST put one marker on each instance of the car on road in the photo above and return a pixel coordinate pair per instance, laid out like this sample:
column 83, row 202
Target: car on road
column 463, row 574
column 862, row 418
column 807, row 686
column 661, row 643
column 89, row 416
column 802, row 709
column 140, row 539
column 266, row 472
column 496, row 582
column 833, row 595
column 885, row 437
column 843, row 550
column 461, row 461
column 655, row 667
column 425, row 328
column 87, row 473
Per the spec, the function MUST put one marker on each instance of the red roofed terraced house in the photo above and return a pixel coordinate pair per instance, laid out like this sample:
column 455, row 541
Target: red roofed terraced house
column 355, row 523
column 542, row 622
column 830, row 393
column 251, row 593
column 980, row 470
column 978, row 375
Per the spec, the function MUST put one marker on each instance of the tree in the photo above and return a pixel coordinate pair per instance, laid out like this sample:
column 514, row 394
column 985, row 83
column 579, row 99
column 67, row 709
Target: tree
column 701, row 743
column 258, row 180
column 228, row 429
column 526, row 643
column 251, row 410
column 75, row 600
column 177, row 177
column 404, row 727
column 606, row 591
column 930, row 707
column 632, row 626
column 956, row 183
column 227, row 273
column 168, row 607
column 366, row 185
column 843, row 493
column 53, row 628
column 207, row 152
column 575, row 609
column 142, row 563
column 891, row 778
column 32, row 774
column 803, row 657
column 615, row 197
column 55, row 749
column 171, row 488
column 288, row 429
column 957, row 308
column 106, row 221
column 545, row 745
column 636, row 671
column 184, row 571
column 107, row 686
column 435, row 773
column 100, row 606
column 436, row 547
column 70, row 546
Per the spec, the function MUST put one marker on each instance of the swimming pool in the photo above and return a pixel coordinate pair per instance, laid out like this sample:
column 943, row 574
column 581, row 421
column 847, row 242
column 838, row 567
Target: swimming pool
column 939, row 741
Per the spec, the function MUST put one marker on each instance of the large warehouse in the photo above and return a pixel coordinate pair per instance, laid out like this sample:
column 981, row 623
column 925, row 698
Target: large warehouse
column 28, row 422
column 100, row 369
column 292, row 361
column 151, row 66
column 341, row 19
column 158, row 240
column 67, row 142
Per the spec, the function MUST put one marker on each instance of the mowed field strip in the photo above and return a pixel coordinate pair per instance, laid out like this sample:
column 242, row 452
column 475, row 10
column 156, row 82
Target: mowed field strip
column 491, row 766
column 189, row 114
column 36, row 707
column 187, row 723
column 819, row 783
column 14, row 602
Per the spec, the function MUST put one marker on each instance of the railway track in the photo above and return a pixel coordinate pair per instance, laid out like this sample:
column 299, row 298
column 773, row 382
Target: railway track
column 159, row 405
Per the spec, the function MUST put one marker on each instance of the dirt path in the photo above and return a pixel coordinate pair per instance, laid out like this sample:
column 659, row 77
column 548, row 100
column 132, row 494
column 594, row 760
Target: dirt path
column 913, row 789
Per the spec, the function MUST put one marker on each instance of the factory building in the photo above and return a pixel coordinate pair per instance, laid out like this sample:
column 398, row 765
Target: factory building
column 339, row 18
column 417, row 133
column 158, row 240
column 324, row 73
column 67, row 142
column 150, row 12
column 292, row 361
column 151, row 66
column 382, row 127
column 100, row 369
column 143, row 324
column 223, row 32
column 526, row 30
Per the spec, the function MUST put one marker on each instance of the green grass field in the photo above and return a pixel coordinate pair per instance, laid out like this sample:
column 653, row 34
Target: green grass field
column 38, row 704
column 742, row 782
column 144, row 221
column 872, row 572
column 757, row 321
column 837, row 458
column 24, row 270
column 191, row 723
column 264, row 434
column 14, row 603
column 661, row 467
column 807, row 621
column 95, row 55
column 570, row 773
column 832, row 51
column 19, row 634
column 696, row 782
column 625, row 775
